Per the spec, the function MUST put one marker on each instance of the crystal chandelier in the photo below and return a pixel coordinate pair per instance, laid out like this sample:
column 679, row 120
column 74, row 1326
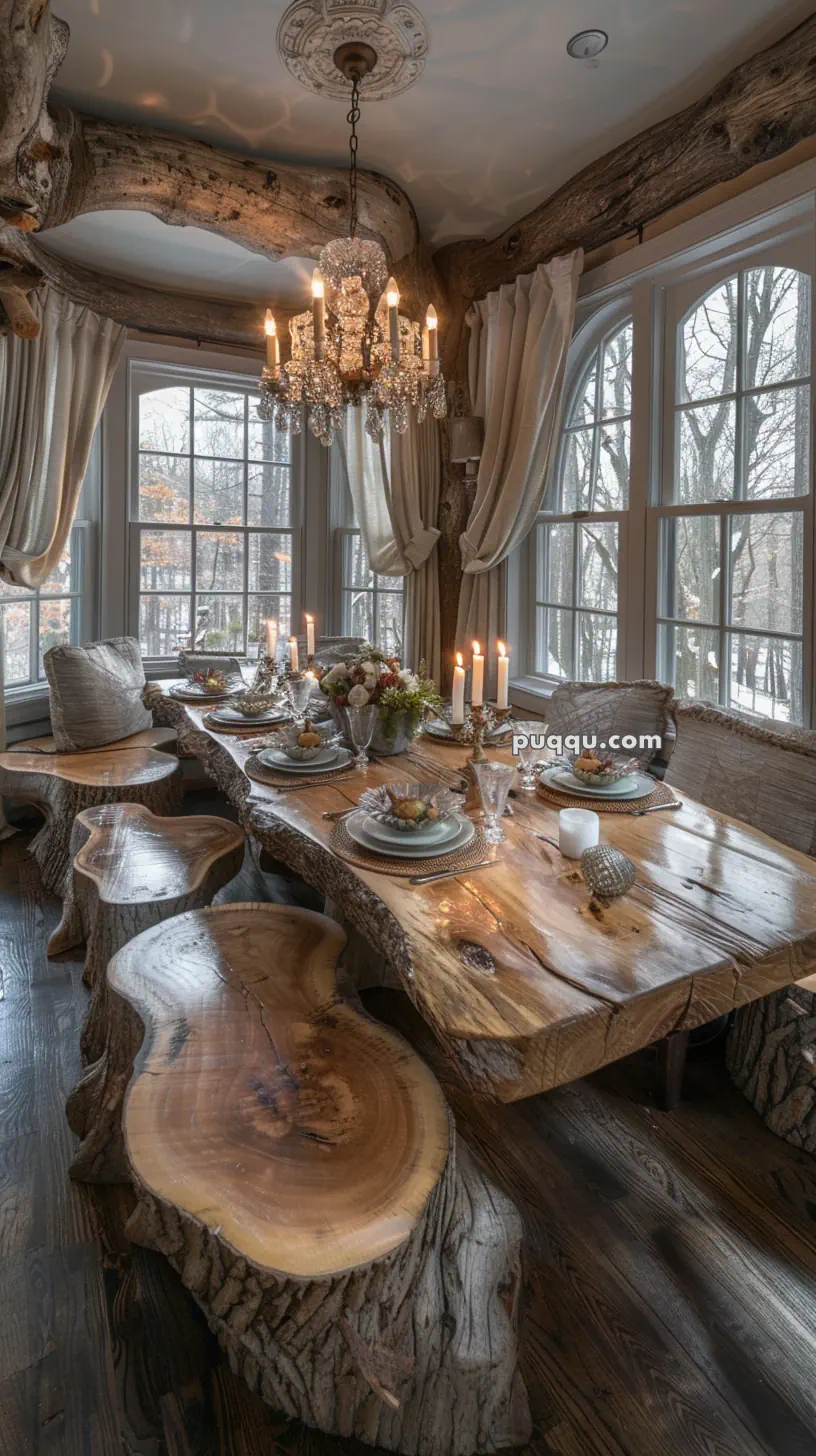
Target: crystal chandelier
column 353, row 347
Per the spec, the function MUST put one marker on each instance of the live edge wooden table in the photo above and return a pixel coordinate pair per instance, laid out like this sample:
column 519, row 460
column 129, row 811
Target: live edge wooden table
column 526, row 983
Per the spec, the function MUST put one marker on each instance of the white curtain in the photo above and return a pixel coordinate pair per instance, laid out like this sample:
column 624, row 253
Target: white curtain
column 52, row 392
column 519, row 338
column 394, row 487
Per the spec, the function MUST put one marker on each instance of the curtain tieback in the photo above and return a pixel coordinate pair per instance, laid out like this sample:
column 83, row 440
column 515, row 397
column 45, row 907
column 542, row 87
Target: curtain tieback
column 420, row 546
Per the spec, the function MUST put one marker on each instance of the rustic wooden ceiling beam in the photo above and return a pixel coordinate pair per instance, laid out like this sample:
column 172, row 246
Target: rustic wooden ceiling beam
column 759, row 110
column 56, row 165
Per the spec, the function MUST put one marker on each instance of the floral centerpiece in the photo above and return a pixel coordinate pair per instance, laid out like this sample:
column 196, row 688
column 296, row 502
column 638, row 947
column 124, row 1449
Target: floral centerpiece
column 402, row 697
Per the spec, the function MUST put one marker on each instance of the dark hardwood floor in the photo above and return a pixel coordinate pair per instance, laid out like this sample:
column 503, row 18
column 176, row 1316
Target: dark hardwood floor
column 670, row 1300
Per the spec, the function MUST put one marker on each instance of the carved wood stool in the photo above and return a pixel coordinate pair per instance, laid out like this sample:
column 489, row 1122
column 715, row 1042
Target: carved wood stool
column 134, row 869
column 63, row 784
column 297, row 1164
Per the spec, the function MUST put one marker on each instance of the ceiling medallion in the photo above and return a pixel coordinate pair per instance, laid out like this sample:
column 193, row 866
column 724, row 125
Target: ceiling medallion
column 311, row 30
column 353, row 347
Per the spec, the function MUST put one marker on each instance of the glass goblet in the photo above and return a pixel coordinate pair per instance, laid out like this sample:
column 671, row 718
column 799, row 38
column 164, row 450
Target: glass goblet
column 529, row 757
column 360, row 723
column 494, row 780
column 299, row 692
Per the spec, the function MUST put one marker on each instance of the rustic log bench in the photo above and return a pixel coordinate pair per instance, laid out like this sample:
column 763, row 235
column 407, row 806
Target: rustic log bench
column 297, row 1164
column 63, row 784
column 133, row 869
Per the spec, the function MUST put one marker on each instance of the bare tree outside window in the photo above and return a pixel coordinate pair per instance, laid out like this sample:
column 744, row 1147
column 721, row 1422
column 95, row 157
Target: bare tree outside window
column 214, row 521
column 577, row 542
column 732, row 580
column 372, row 606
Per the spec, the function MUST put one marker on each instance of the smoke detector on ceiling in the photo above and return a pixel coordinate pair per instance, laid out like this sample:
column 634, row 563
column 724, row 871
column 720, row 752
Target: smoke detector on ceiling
column 587, row 44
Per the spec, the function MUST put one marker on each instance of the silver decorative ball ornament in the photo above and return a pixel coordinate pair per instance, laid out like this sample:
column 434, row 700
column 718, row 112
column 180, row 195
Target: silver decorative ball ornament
column 608, row 872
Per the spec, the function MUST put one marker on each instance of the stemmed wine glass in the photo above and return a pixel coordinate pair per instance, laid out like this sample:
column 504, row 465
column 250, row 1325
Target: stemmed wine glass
column 494, row 780
column 361, row 723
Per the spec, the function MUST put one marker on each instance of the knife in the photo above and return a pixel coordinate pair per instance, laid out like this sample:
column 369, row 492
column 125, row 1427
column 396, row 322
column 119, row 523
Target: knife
column 656, row 808
column 452, row 874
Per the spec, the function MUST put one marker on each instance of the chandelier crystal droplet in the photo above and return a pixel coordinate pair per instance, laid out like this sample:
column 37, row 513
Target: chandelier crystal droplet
column 353, row 347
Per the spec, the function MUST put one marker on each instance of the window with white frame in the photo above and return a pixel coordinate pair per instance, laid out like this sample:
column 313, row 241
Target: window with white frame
column 578, row 539
column 34, row 621
column 736, row 510
column 371, row 606
column 211, row 516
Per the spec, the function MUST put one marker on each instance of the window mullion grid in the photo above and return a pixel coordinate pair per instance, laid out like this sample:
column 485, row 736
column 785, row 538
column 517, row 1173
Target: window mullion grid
column 575, row 553
column 34, row 639
column 725, row 612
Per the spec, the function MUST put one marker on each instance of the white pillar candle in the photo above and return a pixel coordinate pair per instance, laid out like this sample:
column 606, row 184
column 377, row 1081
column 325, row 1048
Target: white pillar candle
column 578, row 829
column 272, row 343
column 294, row 660
column 318, row 312
column 458, row 710
column 271, row 627
column 392, row 299
column 503, row 682
column 309, row 635
column 477, row 682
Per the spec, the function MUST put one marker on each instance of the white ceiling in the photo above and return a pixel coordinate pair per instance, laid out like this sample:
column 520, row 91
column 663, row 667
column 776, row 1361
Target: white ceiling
column 500, row 117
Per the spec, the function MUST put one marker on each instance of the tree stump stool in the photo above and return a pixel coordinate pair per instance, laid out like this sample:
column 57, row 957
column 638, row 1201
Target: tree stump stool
column 132, row 870
column 297, row 1164
column 771, row 1057
column 63, row 784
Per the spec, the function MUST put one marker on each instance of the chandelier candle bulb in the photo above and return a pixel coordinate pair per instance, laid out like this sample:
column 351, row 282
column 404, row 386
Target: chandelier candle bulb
column 271, row 628
column 426, row 348
column 310, row 636
column 318, row 312
column 458, row 699
column 272, row 341
column 392, row 298
column 477, row 684
column 294, row 660
column 503, row 681
column 433, row 340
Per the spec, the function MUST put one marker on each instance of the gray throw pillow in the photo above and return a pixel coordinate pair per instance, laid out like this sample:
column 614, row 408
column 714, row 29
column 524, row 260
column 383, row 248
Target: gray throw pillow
column 96, row 693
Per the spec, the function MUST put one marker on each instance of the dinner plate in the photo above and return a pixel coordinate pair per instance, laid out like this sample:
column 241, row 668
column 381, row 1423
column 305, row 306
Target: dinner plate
column 432, row 835
column 234, row 715
column 188, row 694
column 634, row 786
column 438, row 728
column 355, row 824
column 328, row 758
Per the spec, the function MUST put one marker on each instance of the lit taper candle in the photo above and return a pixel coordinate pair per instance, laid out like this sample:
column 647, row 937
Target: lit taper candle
column 392, row 299
column 294, row 660
column 318, row 312
column 271, row 628
column 272, row 341
column 309, row 635
column 458, row 703
column 503, row 680
column 477, row 680
column 433, row 340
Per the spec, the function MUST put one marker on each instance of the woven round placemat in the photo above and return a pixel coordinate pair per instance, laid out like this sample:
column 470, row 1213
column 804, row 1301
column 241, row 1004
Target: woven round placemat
column 275, row 779
column 563, row 799
column 244, row 730
column 341, row 842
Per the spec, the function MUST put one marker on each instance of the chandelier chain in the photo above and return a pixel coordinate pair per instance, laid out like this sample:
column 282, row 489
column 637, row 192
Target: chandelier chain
column 352, row 119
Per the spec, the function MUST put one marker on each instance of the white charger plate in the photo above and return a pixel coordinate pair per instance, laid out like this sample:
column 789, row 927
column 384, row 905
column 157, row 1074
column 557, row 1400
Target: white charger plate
column 355, row 824
column 329, row 758
column 438, row 728
column 634, row 786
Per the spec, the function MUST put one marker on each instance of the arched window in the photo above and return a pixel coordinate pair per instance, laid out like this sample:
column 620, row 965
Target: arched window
column 733, row 526
column 578, row 538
